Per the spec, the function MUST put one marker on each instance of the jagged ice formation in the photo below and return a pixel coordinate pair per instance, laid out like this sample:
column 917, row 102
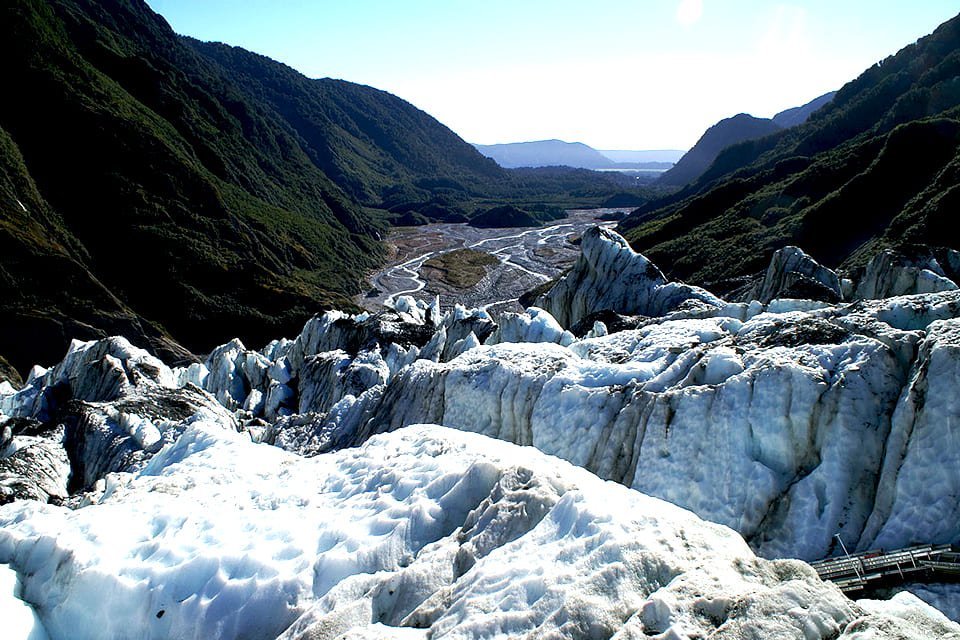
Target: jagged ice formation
column 789, row 422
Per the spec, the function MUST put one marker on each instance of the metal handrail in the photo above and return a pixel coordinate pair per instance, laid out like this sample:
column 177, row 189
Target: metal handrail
column 853, row 572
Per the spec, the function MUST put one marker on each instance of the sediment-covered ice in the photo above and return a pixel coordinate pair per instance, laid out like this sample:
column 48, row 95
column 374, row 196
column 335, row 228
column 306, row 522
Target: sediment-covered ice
column 426, row 532
column 794, row 274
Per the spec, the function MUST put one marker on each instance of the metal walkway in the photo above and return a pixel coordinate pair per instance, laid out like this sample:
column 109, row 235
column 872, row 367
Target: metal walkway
column 860, row 572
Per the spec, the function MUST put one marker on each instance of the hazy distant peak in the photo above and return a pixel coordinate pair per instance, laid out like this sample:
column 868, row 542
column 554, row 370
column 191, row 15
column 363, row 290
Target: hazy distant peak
column 548, row 153
column 545, row 153
column 648, row 155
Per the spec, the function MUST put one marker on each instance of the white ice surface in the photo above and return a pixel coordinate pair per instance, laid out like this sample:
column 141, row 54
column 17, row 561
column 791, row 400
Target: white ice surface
column 443, row 533
column 698, row 412
column 904, row 616
column 17, row 619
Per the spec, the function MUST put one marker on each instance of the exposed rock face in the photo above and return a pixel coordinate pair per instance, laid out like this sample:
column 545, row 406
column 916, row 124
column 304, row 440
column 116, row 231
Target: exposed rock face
column 896, row 273
column 611, row 275
column 8, row 373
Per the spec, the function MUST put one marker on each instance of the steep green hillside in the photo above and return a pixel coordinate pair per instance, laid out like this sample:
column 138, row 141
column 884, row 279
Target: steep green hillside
column 876, row 167
column 183, row 198
column 368, row 141
column 49, row 296
column 157, row 186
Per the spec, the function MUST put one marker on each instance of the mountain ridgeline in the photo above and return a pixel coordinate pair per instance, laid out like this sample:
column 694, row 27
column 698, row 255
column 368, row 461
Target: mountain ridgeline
column 162, row 188
column 731, row 131
column 798, row 115
column 877, row 167
column 717, row 138
column 368, row 141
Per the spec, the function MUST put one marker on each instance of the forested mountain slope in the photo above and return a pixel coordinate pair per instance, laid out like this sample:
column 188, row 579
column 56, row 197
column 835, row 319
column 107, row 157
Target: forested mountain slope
column 875, row 168
column 157, row 187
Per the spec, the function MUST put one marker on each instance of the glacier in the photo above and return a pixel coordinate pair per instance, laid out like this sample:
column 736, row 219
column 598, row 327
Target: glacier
column 788, row 422
column 424, row 533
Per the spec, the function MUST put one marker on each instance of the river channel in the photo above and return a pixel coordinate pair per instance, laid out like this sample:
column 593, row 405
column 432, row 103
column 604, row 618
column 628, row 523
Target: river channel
column 526, row 258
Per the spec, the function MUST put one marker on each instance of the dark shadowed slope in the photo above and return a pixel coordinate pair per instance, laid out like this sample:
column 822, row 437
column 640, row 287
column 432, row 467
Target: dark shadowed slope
column 49, row 296
column 188, row 201
column 368, row 141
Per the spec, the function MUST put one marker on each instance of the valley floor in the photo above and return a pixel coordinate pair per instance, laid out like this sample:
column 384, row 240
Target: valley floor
column 527, row 258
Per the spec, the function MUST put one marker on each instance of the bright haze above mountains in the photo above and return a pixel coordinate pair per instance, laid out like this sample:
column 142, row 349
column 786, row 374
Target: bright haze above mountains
column 618, row 74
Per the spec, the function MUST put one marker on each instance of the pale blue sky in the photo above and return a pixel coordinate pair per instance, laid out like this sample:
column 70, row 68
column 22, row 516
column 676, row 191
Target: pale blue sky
column 615, row 74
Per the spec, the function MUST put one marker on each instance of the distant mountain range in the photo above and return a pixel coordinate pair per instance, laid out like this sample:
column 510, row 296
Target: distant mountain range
column 679, row 167
column 556, row 153
column 877, row 167
column 730, row 131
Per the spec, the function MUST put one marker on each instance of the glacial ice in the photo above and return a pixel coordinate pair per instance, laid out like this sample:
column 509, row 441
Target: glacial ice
column 792, row 272
column 426, row 532
column 788, row 422
column 745, row 413
column 727, row 418
column 20, row 621
column 533, row 325
column 611, row 275
column 891, row 273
